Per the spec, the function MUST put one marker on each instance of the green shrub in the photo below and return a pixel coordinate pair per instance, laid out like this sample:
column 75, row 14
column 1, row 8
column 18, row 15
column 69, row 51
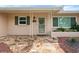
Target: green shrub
column 77, row 27
column 61, row 29
column 73, row 27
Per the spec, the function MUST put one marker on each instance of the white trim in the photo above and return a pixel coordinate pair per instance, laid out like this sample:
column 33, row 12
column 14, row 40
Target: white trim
column 41, row 16
column 62, row 16
column 19, row 20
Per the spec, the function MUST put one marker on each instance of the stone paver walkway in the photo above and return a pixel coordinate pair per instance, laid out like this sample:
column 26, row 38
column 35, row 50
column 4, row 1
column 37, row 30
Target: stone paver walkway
column 41, row 46
column 24, row 44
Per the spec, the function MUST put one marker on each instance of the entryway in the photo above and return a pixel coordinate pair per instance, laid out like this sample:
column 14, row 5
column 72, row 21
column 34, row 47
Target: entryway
column 41, row 25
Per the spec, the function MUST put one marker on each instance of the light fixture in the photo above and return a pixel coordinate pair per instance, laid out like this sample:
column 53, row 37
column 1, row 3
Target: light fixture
column 34, row 19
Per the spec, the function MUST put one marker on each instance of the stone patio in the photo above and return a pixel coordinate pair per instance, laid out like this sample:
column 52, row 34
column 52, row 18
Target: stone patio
column 35, row 44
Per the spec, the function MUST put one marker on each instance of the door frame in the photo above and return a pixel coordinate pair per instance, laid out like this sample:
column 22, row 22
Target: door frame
column 38, row 24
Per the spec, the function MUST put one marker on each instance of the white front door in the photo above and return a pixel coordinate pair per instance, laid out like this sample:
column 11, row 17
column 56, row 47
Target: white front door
column 41, row 26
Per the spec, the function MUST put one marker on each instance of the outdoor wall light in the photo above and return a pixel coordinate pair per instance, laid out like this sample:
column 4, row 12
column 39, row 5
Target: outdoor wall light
column 34, row 19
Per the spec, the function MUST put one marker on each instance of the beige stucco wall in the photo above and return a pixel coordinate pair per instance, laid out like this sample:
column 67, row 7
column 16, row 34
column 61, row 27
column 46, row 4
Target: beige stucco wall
column 31, row 29
column 3, row 24
column 7, row 23
column 17, row 29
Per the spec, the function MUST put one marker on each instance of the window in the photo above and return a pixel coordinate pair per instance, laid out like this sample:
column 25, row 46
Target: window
column 64, row 22
column 22, row 20
column 55, row 21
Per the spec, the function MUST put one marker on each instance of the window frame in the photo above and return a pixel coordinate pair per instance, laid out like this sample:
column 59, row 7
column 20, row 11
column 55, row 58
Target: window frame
column 19, row 20
column 62, row 16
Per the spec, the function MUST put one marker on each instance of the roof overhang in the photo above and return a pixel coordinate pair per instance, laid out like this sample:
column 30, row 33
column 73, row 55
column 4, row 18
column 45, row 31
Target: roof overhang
column 62, row 11
column 33, row 8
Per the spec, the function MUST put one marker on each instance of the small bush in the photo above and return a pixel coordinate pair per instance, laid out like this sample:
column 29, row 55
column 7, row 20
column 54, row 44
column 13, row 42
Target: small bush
column 77, row 27
column 72, row 40
column 61, row 29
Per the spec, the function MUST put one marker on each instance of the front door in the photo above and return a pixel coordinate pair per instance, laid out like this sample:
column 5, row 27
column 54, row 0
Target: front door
column 41, row 21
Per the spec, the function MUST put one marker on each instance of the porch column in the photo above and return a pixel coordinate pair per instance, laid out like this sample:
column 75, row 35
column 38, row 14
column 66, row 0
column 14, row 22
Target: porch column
column 32, row 24
column 51, row 20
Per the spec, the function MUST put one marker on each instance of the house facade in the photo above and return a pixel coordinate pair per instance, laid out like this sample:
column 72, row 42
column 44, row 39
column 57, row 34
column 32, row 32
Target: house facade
column 36, row 21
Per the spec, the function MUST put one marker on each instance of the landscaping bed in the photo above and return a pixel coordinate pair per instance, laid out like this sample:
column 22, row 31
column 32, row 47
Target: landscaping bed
column 69, row 45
